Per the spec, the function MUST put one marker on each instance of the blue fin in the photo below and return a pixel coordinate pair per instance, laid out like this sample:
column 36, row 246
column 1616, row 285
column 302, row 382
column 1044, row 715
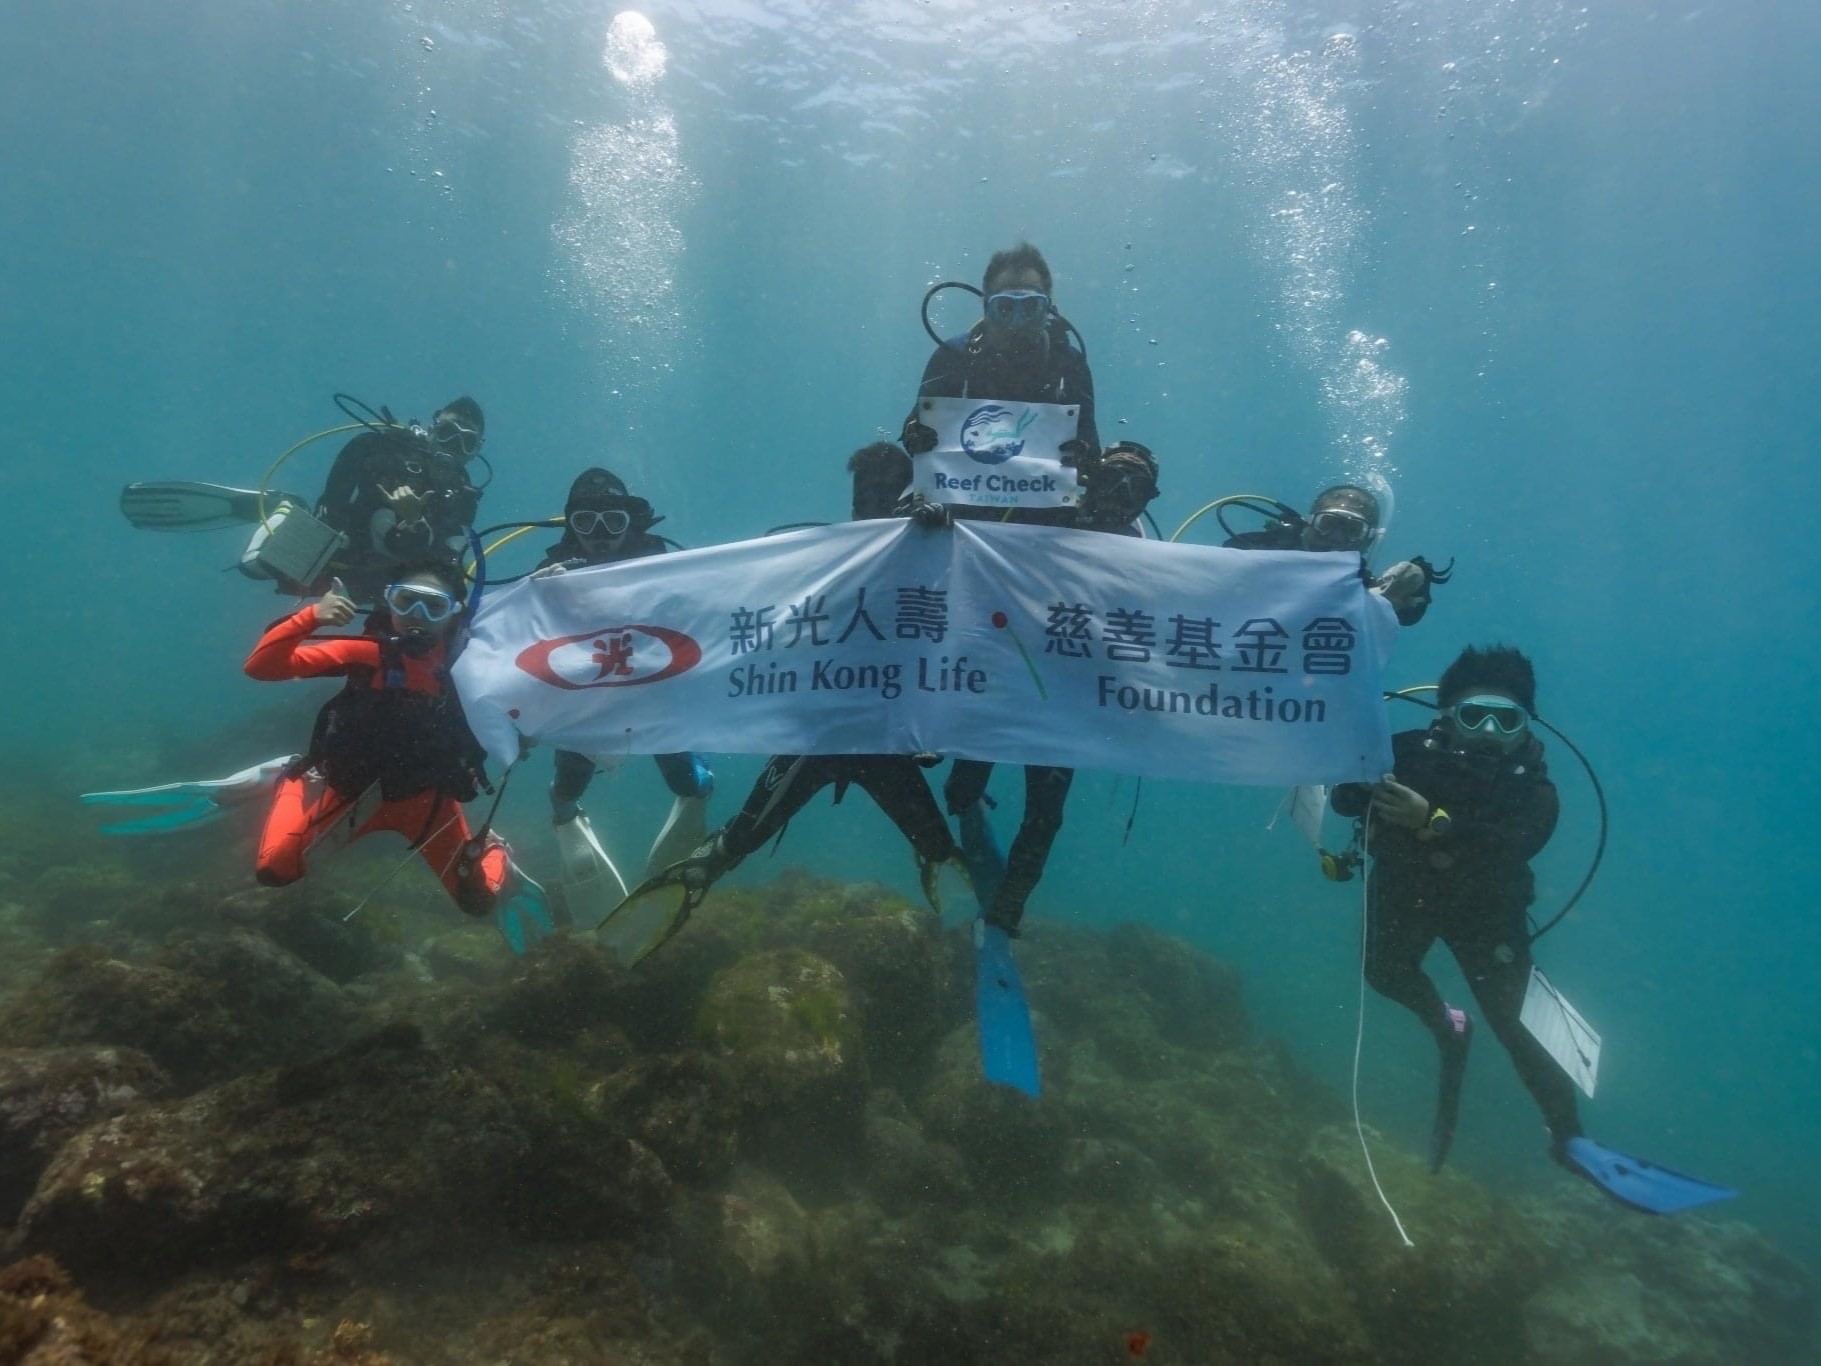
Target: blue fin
column 1641, row 1185
column 981, row 853
column 1008, row 1048
column 525, row 919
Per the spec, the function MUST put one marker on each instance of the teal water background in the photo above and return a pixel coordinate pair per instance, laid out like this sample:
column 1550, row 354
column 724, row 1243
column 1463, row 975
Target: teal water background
column 1552, row 268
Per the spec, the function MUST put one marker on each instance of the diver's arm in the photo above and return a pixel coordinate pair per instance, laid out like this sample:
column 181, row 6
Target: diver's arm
column 285, row 652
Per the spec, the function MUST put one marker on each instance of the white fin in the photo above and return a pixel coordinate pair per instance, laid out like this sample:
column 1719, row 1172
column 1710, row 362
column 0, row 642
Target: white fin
column 592, row 886
column 683, row 833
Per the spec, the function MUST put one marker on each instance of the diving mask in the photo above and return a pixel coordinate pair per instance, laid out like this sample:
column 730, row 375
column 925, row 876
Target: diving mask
column 1341, row 529
column 455, row 437
column 1490, row 717
column 592, row 522
column 1019, row 308
column 426, row 604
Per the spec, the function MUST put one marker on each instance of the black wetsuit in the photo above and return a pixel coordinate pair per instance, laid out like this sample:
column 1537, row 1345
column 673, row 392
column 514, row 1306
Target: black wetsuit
column 684, row 774
column 1471, row 887
column 354, row 503
column 1055, row 371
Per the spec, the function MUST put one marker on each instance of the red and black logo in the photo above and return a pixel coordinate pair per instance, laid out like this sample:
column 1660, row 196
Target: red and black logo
column 613, row 657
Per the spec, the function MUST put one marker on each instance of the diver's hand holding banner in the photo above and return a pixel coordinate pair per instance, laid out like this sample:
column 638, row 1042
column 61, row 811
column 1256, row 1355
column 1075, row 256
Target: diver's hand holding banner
column 995, row 454
column 1015, row 644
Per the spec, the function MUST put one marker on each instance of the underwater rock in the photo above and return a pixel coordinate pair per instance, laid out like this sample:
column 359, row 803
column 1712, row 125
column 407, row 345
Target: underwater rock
column 1460, row 1289
column 786, row 1022
column 67, row 898
column 48, row 1094
column 385, row 1137
column 1012, row 1144
column 44, row 1322
column 904, row 1169
column 1138, row 994
column 464, row 953
column 759, row 1234
column 1625, row 1288
column 309, row 923
column 685, row 1107
column 204, row 1008
column 563, row 986
column 899, row 969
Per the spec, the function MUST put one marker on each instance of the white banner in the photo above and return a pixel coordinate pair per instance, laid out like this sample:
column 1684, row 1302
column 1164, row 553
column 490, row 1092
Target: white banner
column 1010, row 643
column 994, row 454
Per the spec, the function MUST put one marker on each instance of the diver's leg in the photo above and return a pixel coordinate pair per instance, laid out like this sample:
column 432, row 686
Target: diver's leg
column 898, row 786
column 1399, row 933
column 967, row 779
column 784, row 786
column 291, row 825
column 1400, row 929
column 1046, row 792
column 440, row 827
column 573, row 774
column 1493, row 950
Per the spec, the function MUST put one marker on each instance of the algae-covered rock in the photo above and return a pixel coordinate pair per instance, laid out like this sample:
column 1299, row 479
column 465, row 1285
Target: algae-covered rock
column 312, row 924
column 562, row 987
column 904, row 1168
column 387, row 1136
column 48, row 1094
column 685, row 1107
column 44, row 1322
column 900, row 971
column 1460, row 1290
column 1142, row 997
column 786, row 1022
column 204, row 1007
column 1012, row 1144
column 1625, row 1289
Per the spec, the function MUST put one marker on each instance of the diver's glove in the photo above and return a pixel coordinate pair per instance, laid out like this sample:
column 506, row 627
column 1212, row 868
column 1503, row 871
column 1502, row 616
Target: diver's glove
column 917, row 438
column 1405, row 585
column 1079, row 455
column 930, row 516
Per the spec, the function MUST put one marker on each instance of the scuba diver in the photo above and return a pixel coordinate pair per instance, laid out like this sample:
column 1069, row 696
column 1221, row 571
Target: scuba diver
column 1021, row 351
column 603, row 523
column 1451, row 832
column 400, row 492
column 784, row 787
column 1120, row 486
column 1343, row 517
column 391, row 750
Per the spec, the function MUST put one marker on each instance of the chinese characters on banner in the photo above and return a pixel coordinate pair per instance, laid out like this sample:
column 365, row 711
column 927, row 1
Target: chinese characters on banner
column 1008, row 643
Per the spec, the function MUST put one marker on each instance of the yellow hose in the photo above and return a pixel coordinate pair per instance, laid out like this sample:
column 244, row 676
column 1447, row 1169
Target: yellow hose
column 265, row 481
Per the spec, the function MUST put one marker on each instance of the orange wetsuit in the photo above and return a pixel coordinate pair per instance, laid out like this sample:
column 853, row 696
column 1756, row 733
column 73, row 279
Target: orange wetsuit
column 306, row 806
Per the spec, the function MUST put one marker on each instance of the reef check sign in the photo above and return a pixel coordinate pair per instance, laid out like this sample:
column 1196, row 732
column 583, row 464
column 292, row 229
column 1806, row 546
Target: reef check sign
column 996, row 454
column 1016, row 644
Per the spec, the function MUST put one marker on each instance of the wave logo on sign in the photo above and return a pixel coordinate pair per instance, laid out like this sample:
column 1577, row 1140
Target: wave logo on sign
column 991, row 435
column 612, row 657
